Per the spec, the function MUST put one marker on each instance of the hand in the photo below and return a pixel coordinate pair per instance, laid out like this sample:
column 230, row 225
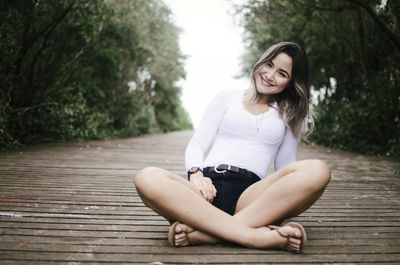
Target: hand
column 205, row 186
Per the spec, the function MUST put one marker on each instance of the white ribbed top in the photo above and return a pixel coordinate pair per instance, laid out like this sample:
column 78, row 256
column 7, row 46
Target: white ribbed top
column 232, row 131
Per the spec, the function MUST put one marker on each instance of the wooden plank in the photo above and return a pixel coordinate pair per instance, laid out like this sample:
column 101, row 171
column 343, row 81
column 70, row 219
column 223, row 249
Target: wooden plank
column 129, row 211
column 313, row 244
column 264, row 256
column 75, row 203
column 220, row 249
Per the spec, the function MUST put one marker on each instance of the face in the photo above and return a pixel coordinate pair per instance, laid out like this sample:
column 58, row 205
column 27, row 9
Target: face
column 273, row 76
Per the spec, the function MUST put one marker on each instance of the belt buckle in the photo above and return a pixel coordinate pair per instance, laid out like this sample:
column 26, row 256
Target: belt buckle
column 221, row 171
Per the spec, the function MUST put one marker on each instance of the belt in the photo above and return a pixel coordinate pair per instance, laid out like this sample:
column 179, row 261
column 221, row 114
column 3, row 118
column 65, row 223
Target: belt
column 222, row 168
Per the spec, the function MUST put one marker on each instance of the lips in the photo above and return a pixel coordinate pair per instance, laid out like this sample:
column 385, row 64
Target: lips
column 265, row 82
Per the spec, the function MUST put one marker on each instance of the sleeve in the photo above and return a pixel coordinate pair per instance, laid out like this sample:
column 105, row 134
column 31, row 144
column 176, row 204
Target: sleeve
column 207, row 130
column 286, row 153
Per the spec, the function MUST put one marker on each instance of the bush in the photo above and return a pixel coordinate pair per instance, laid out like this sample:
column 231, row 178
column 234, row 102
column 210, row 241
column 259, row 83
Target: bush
column 66, row 67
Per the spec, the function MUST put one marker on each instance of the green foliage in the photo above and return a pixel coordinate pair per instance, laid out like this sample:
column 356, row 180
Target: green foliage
column 368, row 125
column 354, row 55
column 66, row 66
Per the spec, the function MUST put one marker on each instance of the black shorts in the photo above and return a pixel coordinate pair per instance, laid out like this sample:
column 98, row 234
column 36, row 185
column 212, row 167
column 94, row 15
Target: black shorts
column 229, row 186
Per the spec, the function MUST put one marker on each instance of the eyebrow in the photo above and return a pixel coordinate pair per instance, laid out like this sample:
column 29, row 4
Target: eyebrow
column 285, row 71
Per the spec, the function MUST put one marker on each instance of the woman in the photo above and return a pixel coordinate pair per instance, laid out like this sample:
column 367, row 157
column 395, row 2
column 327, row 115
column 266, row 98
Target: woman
column 228, row 195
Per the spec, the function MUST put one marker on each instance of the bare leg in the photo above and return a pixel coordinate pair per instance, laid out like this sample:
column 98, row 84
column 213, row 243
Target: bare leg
column 168, row 195
column 286, row 193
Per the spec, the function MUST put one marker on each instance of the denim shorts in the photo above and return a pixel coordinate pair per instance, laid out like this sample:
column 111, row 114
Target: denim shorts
column 229, row 186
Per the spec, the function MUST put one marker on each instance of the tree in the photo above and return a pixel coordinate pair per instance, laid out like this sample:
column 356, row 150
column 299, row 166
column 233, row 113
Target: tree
column 354, row 61
column 67, row 64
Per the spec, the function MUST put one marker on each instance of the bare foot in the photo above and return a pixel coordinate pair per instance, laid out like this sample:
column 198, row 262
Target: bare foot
column 292, row 236
column 181, row 235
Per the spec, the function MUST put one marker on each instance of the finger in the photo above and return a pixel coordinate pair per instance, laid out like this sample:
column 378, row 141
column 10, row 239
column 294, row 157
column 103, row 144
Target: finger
column 211, row 196
column 198, row 185
column 210, row 189
column 206, row 188
column 203, row 185
column 214, row 190
column 204, row 193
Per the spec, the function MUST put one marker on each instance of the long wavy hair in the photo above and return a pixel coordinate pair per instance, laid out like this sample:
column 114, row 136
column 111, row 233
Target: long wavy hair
column 294, row 101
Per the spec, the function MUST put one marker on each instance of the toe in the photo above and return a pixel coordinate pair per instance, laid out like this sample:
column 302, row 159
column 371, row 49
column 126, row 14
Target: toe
column 294, row 243
column 293, row 237
column 180, row 241
column 180, row 236
column 185, row 243
column 178, row 228
column 289, row 231
column 184, row 228
column 293, row 232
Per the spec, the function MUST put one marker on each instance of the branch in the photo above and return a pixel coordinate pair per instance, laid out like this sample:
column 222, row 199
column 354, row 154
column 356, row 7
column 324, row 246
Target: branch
column 20, row 111
column 332, row 9
column 361, row 51
column 333, row 32
column 48, row 69
column 28, row 43
column 375, row 17
column 75, row 62
column 44, row 45
column 337, row 9
column 52, row 24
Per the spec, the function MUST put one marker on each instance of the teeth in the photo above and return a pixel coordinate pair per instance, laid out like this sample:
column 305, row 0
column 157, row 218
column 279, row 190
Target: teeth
column 265, row 82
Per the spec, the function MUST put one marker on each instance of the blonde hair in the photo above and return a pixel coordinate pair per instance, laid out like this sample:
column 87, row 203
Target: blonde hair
column 293, row 102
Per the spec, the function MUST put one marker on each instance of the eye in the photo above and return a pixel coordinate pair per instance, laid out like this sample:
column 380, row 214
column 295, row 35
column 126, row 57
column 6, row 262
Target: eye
column 269, row 64
column 282, row 74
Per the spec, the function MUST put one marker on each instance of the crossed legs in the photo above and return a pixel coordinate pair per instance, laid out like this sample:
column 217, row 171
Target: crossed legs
column 286, row 193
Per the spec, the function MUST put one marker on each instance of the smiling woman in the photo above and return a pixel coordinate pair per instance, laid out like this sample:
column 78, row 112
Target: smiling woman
column 283, row 65
column 226, row 194
column 273, row 76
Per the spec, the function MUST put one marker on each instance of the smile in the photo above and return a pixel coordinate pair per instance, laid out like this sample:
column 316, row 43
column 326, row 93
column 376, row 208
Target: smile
column 265, row 82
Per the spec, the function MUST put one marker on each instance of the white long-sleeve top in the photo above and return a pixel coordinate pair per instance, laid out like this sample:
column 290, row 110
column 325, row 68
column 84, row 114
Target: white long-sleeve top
column 232, row 131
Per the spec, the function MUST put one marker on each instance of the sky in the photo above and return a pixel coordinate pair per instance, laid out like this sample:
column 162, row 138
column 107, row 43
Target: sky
column 213, row 46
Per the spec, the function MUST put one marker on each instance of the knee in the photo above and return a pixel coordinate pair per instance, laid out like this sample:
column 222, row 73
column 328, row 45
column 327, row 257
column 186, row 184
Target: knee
column 146, row 177
column 319, row 172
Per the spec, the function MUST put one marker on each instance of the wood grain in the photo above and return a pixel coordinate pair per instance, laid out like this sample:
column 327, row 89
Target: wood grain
column 75, row 203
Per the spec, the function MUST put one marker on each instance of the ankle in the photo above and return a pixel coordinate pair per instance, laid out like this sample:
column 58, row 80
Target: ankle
column 265, row 238
column 255, row 238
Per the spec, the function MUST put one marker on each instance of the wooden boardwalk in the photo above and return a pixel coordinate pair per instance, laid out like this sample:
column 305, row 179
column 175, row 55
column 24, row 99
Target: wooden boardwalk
column 74, row 203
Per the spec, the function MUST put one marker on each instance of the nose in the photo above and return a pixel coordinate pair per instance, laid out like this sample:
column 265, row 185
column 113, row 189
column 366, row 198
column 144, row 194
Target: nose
column 270, row 74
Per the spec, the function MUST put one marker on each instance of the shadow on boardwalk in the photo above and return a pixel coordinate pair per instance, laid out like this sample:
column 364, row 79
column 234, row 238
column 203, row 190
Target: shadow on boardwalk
column 75, row 203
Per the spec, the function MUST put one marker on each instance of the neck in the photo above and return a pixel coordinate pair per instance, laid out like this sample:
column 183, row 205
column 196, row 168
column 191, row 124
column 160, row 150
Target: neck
column 263, row 99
